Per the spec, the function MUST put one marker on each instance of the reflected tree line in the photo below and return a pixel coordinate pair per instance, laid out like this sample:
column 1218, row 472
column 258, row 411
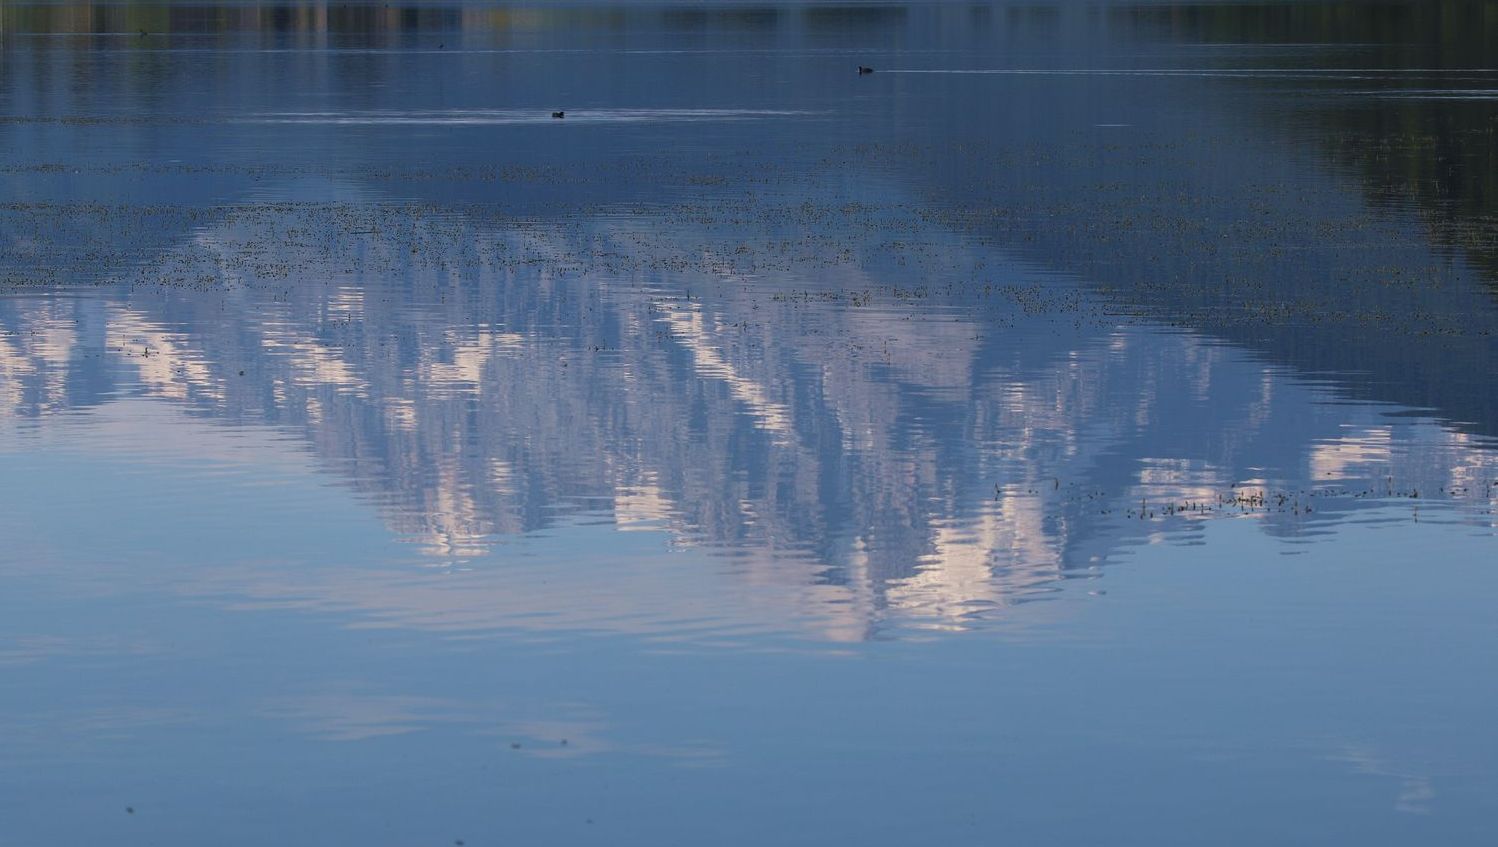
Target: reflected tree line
column 394, row 21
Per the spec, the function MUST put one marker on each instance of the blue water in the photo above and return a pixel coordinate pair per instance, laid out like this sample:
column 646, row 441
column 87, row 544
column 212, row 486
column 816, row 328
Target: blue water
column 1080, row 430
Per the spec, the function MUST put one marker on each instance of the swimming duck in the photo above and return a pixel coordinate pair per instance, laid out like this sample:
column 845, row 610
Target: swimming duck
column 863, row 70
column 559, row 114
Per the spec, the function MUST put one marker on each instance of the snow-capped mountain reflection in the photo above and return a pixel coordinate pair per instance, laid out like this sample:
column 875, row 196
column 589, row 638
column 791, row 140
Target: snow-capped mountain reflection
column 903, row 454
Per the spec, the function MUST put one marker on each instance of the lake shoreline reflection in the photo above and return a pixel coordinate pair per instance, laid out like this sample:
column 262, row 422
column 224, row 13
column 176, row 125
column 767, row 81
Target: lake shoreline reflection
column 1080, row 428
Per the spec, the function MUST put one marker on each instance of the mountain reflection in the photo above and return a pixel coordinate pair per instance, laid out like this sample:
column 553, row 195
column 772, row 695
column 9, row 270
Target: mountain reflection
column 1007, row 354
column 932, row 455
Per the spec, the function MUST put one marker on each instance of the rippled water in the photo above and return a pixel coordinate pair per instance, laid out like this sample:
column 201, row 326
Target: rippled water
column 1080, row 430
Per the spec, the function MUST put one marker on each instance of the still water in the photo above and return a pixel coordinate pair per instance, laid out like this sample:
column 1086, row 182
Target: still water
column 1080, row 430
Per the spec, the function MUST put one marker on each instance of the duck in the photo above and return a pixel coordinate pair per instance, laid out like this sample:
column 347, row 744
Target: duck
column 559, row 114
column 863, row 70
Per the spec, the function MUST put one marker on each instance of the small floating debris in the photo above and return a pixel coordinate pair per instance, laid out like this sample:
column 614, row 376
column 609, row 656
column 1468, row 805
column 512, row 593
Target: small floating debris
column 864, row 70
column 559, row 115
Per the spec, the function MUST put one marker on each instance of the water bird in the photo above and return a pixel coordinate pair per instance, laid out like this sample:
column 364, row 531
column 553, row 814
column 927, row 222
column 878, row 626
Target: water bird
column 863, row 70
column 143, row 33
column 559, row 114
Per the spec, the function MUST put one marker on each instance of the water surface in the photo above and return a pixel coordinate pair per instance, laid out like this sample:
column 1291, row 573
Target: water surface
column 1081, row 430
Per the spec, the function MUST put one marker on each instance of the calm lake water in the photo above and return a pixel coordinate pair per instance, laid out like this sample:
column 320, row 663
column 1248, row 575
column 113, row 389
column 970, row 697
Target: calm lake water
column 1081, row 430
